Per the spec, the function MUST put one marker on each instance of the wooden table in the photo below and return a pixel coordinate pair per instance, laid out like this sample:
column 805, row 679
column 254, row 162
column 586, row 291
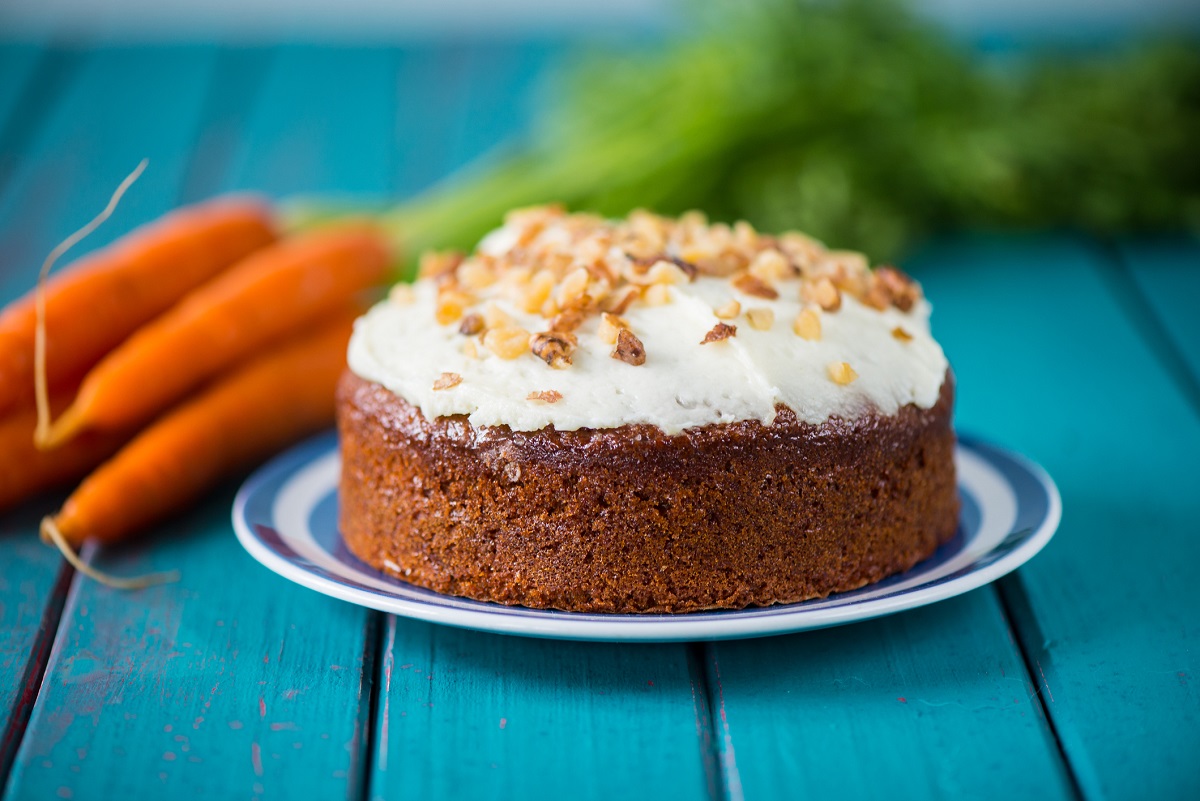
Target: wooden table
column 1076, row 676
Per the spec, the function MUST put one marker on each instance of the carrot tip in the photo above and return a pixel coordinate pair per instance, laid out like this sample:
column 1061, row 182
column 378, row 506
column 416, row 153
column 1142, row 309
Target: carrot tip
column 53, row 536
column 52, row 435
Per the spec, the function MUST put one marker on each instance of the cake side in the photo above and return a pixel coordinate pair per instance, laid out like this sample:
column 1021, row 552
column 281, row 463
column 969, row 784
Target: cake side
column 632, row 519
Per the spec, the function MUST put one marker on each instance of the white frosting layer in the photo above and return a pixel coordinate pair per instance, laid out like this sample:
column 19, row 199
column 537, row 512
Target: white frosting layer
column 682, row 383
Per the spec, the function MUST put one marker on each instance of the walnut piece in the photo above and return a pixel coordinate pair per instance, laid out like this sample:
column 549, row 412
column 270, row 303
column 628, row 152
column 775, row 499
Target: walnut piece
column 719, row 332
column 841, row 373
column 471, row 325
column 823, row 293
column 728, row 311
column 553, row 347
column 629, row 348
column 507, row 342
column 447, row 380
column 902, row 335
column 610, row 327
column 807, row 325
column 760, row 319
column 545, row 396
column 753, row 285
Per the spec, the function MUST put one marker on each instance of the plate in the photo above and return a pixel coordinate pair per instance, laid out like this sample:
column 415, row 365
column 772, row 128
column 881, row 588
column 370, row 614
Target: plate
column 285, row 515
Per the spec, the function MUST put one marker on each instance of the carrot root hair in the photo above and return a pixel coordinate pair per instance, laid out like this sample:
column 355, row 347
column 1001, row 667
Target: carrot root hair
column 41, row 435
column 51, row 534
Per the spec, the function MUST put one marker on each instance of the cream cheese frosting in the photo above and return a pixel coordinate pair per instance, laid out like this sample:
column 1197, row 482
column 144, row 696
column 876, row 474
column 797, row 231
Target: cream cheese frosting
column 406, row 345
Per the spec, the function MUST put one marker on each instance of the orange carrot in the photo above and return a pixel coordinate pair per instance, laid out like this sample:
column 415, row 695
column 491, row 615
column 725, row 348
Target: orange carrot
column 270, row 295
column 25, row 471
column 95, row 303
column 245, row 417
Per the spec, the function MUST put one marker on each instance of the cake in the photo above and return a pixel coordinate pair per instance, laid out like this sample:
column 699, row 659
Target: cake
column 646, row 415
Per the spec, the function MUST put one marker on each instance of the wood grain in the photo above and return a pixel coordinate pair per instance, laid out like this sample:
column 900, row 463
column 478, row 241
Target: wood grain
column 1050, row 365
column 233, row 682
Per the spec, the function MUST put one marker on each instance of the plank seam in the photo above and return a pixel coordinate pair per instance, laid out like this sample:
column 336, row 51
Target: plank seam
column 720, row 764
column 1013, row 584
column 360, row 786
column 35, row 670
column 701, row 701
column 1115, row 272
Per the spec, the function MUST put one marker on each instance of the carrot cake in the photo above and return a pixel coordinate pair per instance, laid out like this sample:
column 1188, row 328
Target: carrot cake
column 646, row 415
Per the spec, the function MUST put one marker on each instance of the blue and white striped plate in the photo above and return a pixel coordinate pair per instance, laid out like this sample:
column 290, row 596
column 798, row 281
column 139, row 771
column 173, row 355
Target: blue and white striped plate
column 286, row 517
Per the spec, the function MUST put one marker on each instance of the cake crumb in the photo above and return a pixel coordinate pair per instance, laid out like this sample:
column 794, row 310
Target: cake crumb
column 447, row 380
column 719, row 332
column 545, row 396
column 841, row 373
column 902, row 335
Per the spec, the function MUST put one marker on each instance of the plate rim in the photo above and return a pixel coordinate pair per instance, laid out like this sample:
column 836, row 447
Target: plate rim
column 623, row 628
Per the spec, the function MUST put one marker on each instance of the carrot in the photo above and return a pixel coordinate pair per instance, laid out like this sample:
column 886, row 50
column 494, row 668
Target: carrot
column 98, row 301
column 25, row 471
column 271, row 294
column 273, row 400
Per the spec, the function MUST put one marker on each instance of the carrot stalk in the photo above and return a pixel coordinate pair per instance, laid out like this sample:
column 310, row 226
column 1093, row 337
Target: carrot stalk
column 270, row 295
column 243, row 418
column 94, row 304
column 25, row 470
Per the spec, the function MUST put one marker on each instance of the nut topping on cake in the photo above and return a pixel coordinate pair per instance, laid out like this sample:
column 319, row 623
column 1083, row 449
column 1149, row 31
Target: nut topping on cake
column 545, row 396
column 629, row 348
column 719, row 332
column 841, row 373
column 447, row 380
column 553, row 347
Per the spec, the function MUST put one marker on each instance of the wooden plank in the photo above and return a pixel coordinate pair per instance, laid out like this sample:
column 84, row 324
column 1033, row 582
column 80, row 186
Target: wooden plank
column 1049, row 364
column 463, row 714
column 233, row 682
column 80, row 148
column 470, row 715
column 930, row 703
column 1167, row 273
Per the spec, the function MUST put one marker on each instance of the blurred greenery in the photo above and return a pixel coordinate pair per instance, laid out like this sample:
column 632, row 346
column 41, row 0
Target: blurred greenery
column 855, row 121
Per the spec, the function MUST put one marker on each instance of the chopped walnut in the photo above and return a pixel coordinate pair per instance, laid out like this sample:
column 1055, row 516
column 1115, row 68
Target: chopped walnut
column 657, row 295
column 629, row 348
column 901, row 290
column 770, row 265
column 553, row 347
column 753, row 285
column 760, row 319
column 545, row 396
column 447, row 380
column 470, row 349
column 728, row 311
column 567, row 320
column 719, row 332
column 450, row 306
column 507, row 342
column 619, row 302
column 474, row 274
column 841, row 373
column 823, row 293
column 610, row 327
column 471, row 325
column 902, row 335
column 807, row 325
column 434, row 264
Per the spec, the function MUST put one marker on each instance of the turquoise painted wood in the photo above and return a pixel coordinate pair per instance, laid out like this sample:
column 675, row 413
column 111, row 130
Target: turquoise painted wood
column 933, row 703
column 63, row 173
column 233, row 682
column 1167, row 271
column 1049, row 364
column 470, row 715
column 25, row 633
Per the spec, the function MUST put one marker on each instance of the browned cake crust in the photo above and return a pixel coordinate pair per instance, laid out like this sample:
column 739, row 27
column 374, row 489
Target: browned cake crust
column 633, row 520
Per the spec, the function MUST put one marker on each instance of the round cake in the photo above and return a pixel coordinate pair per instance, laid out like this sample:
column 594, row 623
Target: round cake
column 646, row 415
